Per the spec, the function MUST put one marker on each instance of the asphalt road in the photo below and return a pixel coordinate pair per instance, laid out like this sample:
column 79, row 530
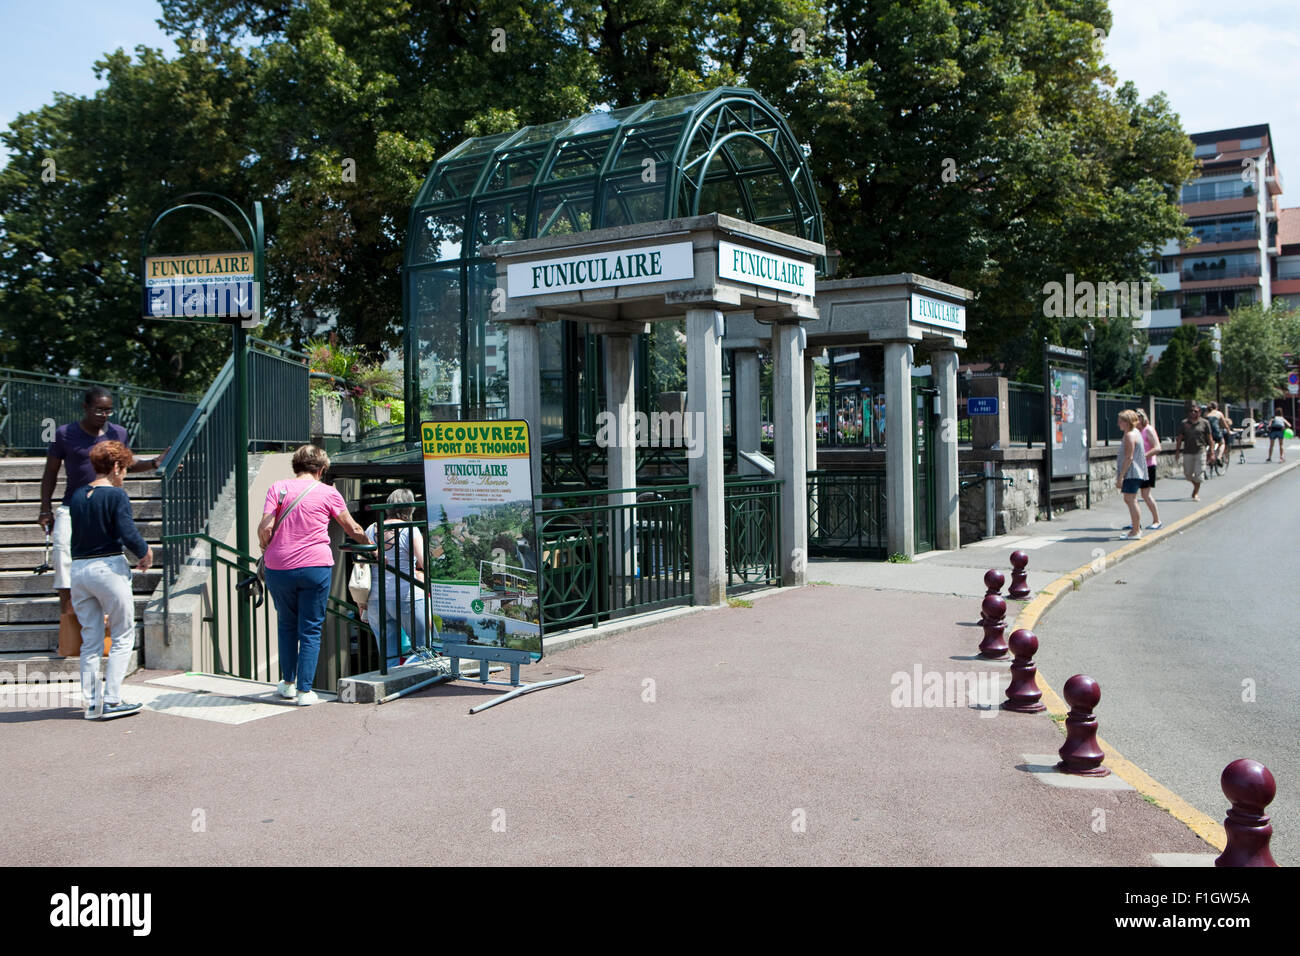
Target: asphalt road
column 1194, row 645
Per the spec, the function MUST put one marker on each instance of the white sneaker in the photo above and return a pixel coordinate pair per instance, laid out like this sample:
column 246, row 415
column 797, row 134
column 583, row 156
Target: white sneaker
column 307, row 698
column 286, row 690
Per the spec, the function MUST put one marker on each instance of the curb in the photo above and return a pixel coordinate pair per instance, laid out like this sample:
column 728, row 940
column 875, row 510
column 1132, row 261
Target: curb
column 1207, row 828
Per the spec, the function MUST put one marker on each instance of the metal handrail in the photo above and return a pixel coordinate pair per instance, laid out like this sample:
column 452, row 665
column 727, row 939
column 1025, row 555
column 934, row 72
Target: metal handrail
column 76, row 380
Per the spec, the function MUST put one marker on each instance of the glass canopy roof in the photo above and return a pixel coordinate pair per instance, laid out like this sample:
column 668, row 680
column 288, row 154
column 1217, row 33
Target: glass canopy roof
column 725, row 150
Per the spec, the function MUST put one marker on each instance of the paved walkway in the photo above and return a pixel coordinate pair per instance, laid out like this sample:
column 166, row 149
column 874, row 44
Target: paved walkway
column 831, row 724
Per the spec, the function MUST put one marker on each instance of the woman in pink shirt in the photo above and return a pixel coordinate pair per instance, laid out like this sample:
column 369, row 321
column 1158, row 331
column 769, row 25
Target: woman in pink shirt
column 299, row 563
column 1151, row 443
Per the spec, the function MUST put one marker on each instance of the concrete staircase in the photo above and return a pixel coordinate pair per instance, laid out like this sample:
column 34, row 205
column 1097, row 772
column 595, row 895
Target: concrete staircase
column 29, row 606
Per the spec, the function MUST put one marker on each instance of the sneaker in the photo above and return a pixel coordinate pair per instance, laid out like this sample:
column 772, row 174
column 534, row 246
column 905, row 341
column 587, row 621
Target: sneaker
column 286, row 690
column 307, row 698
column 120, row 709
column 91, row 714
column 1155, row 527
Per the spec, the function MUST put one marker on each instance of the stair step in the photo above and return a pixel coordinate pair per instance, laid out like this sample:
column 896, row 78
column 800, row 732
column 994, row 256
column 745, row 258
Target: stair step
column 18, row 490
column 19, row 512
column 22, row 584
column 27, row 559
column 45, row 610
column 31, row 667
column 34, row 638
column 20, row 534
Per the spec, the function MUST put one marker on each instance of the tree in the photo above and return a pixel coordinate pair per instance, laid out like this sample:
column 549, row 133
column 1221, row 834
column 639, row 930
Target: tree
column 1254, row 342
column 1185, row 366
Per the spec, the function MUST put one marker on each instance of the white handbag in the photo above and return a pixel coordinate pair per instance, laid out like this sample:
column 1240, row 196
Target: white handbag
column 359, row 582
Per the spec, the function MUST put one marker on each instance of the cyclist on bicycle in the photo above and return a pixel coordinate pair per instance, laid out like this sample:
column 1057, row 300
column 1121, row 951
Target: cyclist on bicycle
column 1215, row 419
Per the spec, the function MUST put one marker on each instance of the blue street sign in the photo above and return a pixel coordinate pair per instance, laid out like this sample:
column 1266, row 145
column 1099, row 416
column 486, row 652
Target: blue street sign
column 982, row 406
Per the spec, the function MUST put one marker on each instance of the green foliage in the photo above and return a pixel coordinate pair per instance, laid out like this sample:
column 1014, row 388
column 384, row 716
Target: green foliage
column 1185, row 368
column 1255, row 339
column 983, row 144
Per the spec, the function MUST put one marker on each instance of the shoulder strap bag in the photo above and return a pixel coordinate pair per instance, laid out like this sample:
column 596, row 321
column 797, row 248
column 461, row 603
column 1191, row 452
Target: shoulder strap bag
column 256, row 581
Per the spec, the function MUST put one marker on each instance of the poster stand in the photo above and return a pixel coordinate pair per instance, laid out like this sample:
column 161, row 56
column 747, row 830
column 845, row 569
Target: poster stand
column 484, row 656
column 1058, row 360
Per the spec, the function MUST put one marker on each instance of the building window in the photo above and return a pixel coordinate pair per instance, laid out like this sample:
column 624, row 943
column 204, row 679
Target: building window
column 1230, row 229
column 1232, row 266
column 1255, row 142
column 1207, row 149
column 1215, row 190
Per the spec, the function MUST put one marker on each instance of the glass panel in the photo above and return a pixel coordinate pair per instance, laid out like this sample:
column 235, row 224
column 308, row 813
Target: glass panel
column 500, row 220
column 747, row 155
column 435, row 303
column 486, row 390
column 440, row 234
column 1223, row 189
column 580, row 157
column 654, row 142
column 629, row 200
column 457, row 180
column 1235, row 229
column 771, row 199
column 677, row 104
column 551, row 355
column 1208, row 149
column 720, row 192
column 1221, row 267
column 1255, row 142
column 564, row 211
column 515, row 168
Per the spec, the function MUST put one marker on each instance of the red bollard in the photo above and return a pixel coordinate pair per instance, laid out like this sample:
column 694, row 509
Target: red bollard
column 993, row 618
column 1019, row 589
column 1023, row 696
column 993, row 581
column 1249, row 787
column 1080, row 753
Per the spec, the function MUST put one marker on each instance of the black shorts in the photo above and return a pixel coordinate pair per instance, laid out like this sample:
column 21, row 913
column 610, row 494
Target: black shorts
column 1151, row 477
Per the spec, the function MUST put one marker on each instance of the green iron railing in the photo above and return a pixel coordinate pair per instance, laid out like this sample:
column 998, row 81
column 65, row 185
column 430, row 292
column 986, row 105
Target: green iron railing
column 1169, row 413
column 753, row 507
column 32, row 404
column 604, row 554
column 846, row 513
column 1109, row 405
column 1025, row 407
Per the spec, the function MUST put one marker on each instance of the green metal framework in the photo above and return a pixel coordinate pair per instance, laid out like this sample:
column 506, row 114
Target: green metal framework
column 726, row 150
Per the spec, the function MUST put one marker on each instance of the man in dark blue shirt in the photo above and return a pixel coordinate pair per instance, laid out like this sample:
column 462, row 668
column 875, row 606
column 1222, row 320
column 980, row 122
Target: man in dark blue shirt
column 71, row 450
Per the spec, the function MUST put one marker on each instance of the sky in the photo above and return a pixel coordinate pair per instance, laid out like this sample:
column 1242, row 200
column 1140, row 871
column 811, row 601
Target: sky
column 1221, row 64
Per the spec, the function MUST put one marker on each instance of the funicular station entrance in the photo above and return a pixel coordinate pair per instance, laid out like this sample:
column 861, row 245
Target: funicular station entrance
column 613, row 280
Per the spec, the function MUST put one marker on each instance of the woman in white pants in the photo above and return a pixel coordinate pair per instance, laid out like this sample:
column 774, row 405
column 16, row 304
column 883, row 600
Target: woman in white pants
column 102, row 526
column 405, row 611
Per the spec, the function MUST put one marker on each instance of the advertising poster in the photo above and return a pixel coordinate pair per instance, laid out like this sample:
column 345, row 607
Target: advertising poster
column 1069, row 422
column 482, row 536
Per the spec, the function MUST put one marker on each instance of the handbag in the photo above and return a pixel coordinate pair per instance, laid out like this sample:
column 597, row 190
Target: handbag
column 70, row 635
column 359, row 581
column 255, row 583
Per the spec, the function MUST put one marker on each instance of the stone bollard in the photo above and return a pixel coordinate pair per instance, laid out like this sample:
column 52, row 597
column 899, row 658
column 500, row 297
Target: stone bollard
column 993, row 581
column 993, row 618
column 1023, row 696
column 1019, row 589
column 1080, row 753
column 1249, row 787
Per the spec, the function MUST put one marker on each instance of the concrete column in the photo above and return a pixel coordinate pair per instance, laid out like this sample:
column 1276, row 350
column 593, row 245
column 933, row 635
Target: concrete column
column 789, row 415
column 524, row 358
column 620, row 401
column 704, row 405
column 948, row 489
column 744, row 394
column 991, row 431
column 899, row 462
column 810, row 410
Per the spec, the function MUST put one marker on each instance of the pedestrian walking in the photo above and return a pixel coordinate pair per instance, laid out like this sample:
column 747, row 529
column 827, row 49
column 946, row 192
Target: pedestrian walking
column 1151, row 446
column 1131, row 470
column 102, row 526
column 70, row 450
column 1277, row 427
column 294, row 535
column 1195, row 433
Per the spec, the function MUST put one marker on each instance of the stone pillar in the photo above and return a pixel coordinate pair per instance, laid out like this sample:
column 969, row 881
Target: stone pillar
column 991, row 431
column 744, row 394
column 1094, row 426
column 620, row 401
column 810, row 409
column 899, row 464
column 948, row 488
column 789, row 414
column 524, row 357
column 704, row 407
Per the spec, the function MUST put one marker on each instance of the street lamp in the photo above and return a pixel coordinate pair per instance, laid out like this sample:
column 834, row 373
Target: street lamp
column 1089, row 333
column 1135, row 346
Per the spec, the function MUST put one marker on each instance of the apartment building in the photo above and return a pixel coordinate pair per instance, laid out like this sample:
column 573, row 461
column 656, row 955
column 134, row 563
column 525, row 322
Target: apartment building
column 1233, row 210
column 1286, row 268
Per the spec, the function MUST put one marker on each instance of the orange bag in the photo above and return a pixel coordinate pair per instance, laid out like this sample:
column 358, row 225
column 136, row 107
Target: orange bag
column 70, row 635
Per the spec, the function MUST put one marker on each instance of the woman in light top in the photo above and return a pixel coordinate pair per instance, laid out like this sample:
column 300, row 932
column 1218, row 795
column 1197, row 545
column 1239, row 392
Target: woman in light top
column 405, row 606
column 1131, row 470
column 1151, row 443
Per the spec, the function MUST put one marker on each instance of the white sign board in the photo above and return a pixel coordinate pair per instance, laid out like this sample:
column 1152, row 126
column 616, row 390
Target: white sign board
column 766, row 269
column 945, row 315
column 600, row 270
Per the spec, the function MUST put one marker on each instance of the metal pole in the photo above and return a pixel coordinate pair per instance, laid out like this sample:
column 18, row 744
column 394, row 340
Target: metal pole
column 241, row 489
